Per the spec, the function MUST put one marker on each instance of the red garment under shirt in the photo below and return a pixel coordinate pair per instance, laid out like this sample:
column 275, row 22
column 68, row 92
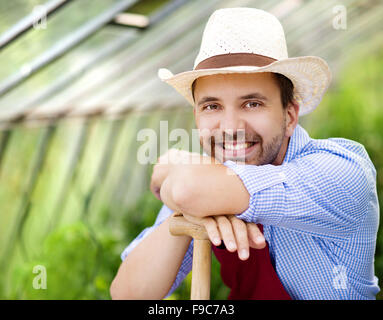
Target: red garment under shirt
column 252, row 279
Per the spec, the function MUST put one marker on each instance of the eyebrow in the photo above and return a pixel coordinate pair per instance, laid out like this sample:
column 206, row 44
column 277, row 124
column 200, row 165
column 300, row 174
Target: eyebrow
column 254, row 95
column 207, row 99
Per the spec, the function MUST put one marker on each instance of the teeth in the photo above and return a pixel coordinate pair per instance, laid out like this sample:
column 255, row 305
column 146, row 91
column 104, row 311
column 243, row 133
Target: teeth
column 238, row 146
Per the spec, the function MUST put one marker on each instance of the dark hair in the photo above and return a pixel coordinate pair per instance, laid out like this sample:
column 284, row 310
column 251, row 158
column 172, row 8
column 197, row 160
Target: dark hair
column 285, row 85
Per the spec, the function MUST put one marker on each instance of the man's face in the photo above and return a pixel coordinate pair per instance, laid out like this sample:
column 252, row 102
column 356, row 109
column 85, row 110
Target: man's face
column 243, row 114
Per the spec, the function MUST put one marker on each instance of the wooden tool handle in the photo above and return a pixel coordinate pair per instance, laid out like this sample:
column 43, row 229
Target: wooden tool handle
column 200, row 286
column 179, row 226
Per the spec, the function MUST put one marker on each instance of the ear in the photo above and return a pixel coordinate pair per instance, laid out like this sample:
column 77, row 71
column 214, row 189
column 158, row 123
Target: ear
column 292, row 112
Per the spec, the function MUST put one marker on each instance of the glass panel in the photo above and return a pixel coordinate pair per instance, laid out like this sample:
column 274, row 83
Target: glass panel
column 13, row 11
column 37, row 41
column 72, row 62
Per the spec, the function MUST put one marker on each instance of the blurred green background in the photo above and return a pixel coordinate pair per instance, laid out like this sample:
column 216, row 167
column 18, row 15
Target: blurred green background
column 72, row 194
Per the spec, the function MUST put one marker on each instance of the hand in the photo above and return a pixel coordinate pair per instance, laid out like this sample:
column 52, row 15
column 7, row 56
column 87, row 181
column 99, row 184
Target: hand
column 235, row 233
column 161, row 170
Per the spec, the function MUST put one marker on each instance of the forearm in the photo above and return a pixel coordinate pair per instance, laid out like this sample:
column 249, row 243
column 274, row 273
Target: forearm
column 205, row 190
column 151, row 268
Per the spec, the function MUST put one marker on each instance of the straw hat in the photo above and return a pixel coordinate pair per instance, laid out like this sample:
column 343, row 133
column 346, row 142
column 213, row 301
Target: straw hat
column 249, row 40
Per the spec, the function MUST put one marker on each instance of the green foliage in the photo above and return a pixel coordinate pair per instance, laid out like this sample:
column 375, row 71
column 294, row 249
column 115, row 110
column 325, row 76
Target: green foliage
column 81, row 263
column 78, row 266
column 142, row 215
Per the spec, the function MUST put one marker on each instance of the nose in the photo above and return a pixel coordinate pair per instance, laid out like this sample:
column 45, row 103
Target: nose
column 232, row 122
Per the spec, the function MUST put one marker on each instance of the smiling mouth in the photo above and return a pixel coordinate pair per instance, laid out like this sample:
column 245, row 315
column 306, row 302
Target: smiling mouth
column 237, row 146
column 237, row 150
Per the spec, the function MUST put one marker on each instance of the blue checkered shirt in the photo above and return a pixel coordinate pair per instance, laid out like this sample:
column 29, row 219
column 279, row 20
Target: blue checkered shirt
column 320, row 214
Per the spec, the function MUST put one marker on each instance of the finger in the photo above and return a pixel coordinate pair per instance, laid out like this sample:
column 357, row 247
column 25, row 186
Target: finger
column 240, row 233
column 226, row 231
column 157, row 193
column 212, row 230
column 256, row 238
column 155, row 190
column 158, row 176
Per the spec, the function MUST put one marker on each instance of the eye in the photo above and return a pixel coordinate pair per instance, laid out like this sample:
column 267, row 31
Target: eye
column 210, row 107
column 253, row 104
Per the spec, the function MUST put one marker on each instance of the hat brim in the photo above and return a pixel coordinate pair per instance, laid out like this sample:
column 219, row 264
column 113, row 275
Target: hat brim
column 310, row 75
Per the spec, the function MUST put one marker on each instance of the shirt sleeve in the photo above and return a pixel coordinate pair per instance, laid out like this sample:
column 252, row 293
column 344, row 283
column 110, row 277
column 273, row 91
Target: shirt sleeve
column 187, row 262
column 321, row 194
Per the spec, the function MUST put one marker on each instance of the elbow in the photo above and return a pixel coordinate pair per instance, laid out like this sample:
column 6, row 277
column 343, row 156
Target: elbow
column 128, row 289
column 185, row 197
column 179, row 193
column 182, row 197
column 118, row 293
column 120, row 290
column 115, row 292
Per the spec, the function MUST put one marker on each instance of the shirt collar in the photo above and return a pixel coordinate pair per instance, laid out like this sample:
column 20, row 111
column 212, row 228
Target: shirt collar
column 297, row 142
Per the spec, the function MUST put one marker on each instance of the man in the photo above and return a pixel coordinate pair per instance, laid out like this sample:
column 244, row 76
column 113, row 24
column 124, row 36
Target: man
column 314, row 200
